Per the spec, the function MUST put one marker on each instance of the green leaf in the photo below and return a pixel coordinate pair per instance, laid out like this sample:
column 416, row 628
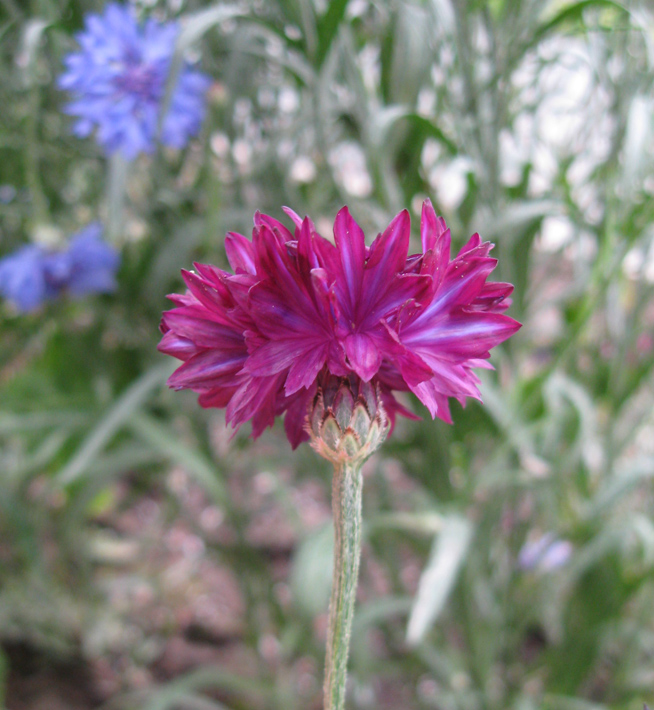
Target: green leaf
column 432, row 130
column 311, row 574
column 164, row 440
column 31, row 41
column 426, row 523
column 197, row 24
column 385, row 119
column 114, row 420
column 194, row 27
column 328, row 27
column 637, row 138
column 379, row 610
column 40, row 458
column 572, row 12
column 438, row 577
column 516, row 216
column 560, row 392
column 254, row 39
column 628, row 476
column 11, row 423
column 411, row 55
column 506, row 417
column 172, row 694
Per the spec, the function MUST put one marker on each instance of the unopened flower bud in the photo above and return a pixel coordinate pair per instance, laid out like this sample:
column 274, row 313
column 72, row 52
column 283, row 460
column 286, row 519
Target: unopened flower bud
column 347, row 421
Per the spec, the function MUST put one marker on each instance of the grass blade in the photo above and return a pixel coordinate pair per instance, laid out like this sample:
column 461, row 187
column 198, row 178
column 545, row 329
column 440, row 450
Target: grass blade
column 113, row 421
column 439, row 576
column 164, row 440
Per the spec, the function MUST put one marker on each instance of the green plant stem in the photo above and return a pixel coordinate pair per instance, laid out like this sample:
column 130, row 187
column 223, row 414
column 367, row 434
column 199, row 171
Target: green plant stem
column 346, row 505
column 116, row 194
column 32, row 158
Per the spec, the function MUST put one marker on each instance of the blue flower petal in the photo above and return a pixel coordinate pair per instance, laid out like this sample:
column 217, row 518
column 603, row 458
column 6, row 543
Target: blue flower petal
column 118, row 79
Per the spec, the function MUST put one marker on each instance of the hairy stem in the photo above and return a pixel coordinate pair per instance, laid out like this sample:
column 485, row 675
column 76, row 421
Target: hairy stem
column 346, row 505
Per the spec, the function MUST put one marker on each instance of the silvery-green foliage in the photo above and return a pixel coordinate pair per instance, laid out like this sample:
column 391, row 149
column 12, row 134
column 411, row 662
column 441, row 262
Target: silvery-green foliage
column 528, row 121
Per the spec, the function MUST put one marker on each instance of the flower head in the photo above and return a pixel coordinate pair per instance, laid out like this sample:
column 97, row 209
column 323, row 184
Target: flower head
column 34, row 274
column 298, row 310
column 92, row 263
column 118, row 83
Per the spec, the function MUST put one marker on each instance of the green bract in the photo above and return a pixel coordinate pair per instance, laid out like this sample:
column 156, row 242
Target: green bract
column 347, row 422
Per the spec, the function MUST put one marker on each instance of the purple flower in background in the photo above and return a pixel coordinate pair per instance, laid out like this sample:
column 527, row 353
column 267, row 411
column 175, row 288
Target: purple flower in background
column 93, row 263
column 299, row 310
column 118, row 83
column 22, row 278
column 545, row 553
column 33, row 274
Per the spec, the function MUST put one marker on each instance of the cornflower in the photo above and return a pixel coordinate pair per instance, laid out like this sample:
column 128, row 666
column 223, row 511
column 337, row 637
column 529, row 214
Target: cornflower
column 325, row 334
column 118, row 81
column 33, row 274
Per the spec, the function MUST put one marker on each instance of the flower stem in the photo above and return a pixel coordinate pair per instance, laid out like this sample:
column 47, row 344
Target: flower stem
column 32, row 158
column 116, row 193
column 346, row 505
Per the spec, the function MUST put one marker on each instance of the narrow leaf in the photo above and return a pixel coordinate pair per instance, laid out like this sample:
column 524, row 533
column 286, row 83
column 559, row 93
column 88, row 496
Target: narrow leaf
column 113, row 421
column 31, row 40
column 193, row 29
column 571, row 12
column 163, row 440
column 166, row 697
column 311, row 575
column 439, row 576
column 328, row 27
column 197, row 24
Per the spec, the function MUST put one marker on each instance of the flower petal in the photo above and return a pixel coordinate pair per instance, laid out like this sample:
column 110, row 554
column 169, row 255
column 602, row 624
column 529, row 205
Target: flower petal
column 296, row 418
column 435, row 401
column 305, row 369
column 240, row 253
column 203, row 332
column 363, row 355
column 389, row 250
column 175, row 346
column 274, row 357
column 351, row 244
column 210, row 368
column 464, row 335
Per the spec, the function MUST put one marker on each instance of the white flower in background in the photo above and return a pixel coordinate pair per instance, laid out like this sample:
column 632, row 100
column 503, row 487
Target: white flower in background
column 303, row 169
column 348, row 162
column 450, row 181
column 555, row 233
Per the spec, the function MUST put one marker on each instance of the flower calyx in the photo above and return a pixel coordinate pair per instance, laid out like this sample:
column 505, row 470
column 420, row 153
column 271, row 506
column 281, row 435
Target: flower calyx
column 347, row 421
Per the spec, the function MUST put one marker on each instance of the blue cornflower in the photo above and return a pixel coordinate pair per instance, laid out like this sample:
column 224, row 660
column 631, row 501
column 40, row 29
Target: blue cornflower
column 118, row 82
column 22, row 278
column 544, row 552
column 33, row 274
column 92, row 263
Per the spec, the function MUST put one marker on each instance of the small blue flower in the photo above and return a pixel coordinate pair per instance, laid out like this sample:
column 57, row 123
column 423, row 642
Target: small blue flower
column 33, row 275
column 93, row 263
column 118, row 83
column 545, row 553
column 22, row 279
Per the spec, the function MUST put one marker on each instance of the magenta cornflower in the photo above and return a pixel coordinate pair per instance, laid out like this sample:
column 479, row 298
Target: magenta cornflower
column 299, row 310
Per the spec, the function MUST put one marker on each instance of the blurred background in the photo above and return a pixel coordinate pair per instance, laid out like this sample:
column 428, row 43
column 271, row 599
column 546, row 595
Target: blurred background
column 148, row 560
